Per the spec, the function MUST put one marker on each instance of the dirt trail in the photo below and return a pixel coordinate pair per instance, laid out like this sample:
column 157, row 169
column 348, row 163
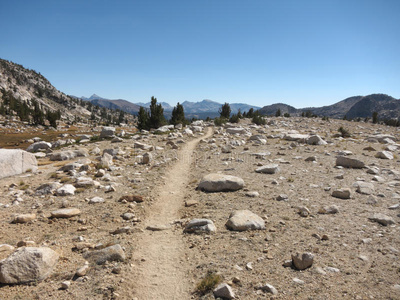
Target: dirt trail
column 162, row 268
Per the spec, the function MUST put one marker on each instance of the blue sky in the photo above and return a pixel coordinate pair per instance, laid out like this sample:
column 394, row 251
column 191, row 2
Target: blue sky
column 303, row 53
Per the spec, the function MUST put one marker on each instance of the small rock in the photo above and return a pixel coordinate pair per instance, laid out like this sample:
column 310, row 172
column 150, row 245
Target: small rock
column 23, row 218
column 252, row 194
column 189, row 203
column 282, row 197
column 82, row 271
column 224, row 291
column 65, row 285
column 303, row 261
column 333, row 209
column 382, row 219
column 65, row 213
column 200, row 225
column 95, row 200
column 111, row 253
column 349, row 162
column 268, row 169
column 269, row 289
column 242, row 220
column 364, row 187
column 344, row 193
column 298, row 281
column 132, row 198
column 384, row 155
column 304, row 211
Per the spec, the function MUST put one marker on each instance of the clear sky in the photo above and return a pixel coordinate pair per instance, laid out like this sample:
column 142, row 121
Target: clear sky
column 303, row 53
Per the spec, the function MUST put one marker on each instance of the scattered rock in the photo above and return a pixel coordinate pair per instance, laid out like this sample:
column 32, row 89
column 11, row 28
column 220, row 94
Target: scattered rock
column 304, row 211
column 344, row 193
column 282, row 197
column 220, row 183
column 42, row 145
column 347, row 162
column 66, row 190
column 23, row 218
column 107, row 132
column 242, row 220
column 384, row 155
column 111, row 253
column 316, row 140
column 95, row 200
column 65, row 213
column 333, row 209
column 224, row 291
column 147, row 158
column 68, row 155
column 199, row 226
column 303, row 261
column 268, row 169
column 269, row 289
column 252, row 194
column 382, row 219
column 365, row 187
column 28, row 264
column 132, row 198
column 65, row 285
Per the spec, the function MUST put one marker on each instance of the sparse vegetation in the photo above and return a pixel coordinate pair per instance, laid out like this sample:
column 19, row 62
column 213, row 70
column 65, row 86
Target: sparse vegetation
column 344, row 132
column 208, row 283
column 258, row 119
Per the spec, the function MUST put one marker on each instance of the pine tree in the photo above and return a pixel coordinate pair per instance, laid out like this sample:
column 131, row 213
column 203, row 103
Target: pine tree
column 38, row 115
column 156, row 114
column 225, row 111
column 143, row 119
column 375, row 117
column 178, row 115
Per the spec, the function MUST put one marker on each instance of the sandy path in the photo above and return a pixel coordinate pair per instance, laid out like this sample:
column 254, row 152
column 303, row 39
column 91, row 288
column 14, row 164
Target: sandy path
column 162, row 267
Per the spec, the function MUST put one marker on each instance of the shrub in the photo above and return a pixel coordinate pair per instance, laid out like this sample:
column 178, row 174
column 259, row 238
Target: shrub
column 208, row 283
column 234, row 119
column 258, row 120
column 219, row 121
column 344, row 132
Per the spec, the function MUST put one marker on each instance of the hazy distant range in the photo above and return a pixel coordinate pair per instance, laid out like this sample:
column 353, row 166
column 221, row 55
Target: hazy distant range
column 354, row 107
column 198, row 110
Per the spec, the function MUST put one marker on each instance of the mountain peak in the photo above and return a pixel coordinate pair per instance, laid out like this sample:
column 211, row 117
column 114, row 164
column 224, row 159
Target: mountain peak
column 95, row 96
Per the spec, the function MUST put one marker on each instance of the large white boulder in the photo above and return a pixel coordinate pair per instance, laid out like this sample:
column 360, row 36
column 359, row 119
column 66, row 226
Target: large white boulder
column 15, row 161
column 28, row 264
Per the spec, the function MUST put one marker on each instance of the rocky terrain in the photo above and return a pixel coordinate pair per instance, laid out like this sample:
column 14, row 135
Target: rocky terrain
column 289, row 210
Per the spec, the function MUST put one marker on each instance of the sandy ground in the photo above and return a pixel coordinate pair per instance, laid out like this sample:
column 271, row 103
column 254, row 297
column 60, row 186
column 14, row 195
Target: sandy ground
column 358, row 259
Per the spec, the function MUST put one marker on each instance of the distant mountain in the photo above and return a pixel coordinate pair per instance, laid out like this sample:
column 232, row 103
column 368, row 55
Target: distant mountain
column 353, row 107
column 270, row 110
column 198, row 110
column 120, row 104
column 386, row 106
column 165, row 105
column 209, row 106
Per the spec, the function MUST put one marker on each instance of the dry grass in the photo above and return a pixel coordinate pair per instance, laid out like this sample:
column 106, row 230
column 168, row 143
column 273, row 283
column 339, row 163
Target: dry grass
column 208, row 283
